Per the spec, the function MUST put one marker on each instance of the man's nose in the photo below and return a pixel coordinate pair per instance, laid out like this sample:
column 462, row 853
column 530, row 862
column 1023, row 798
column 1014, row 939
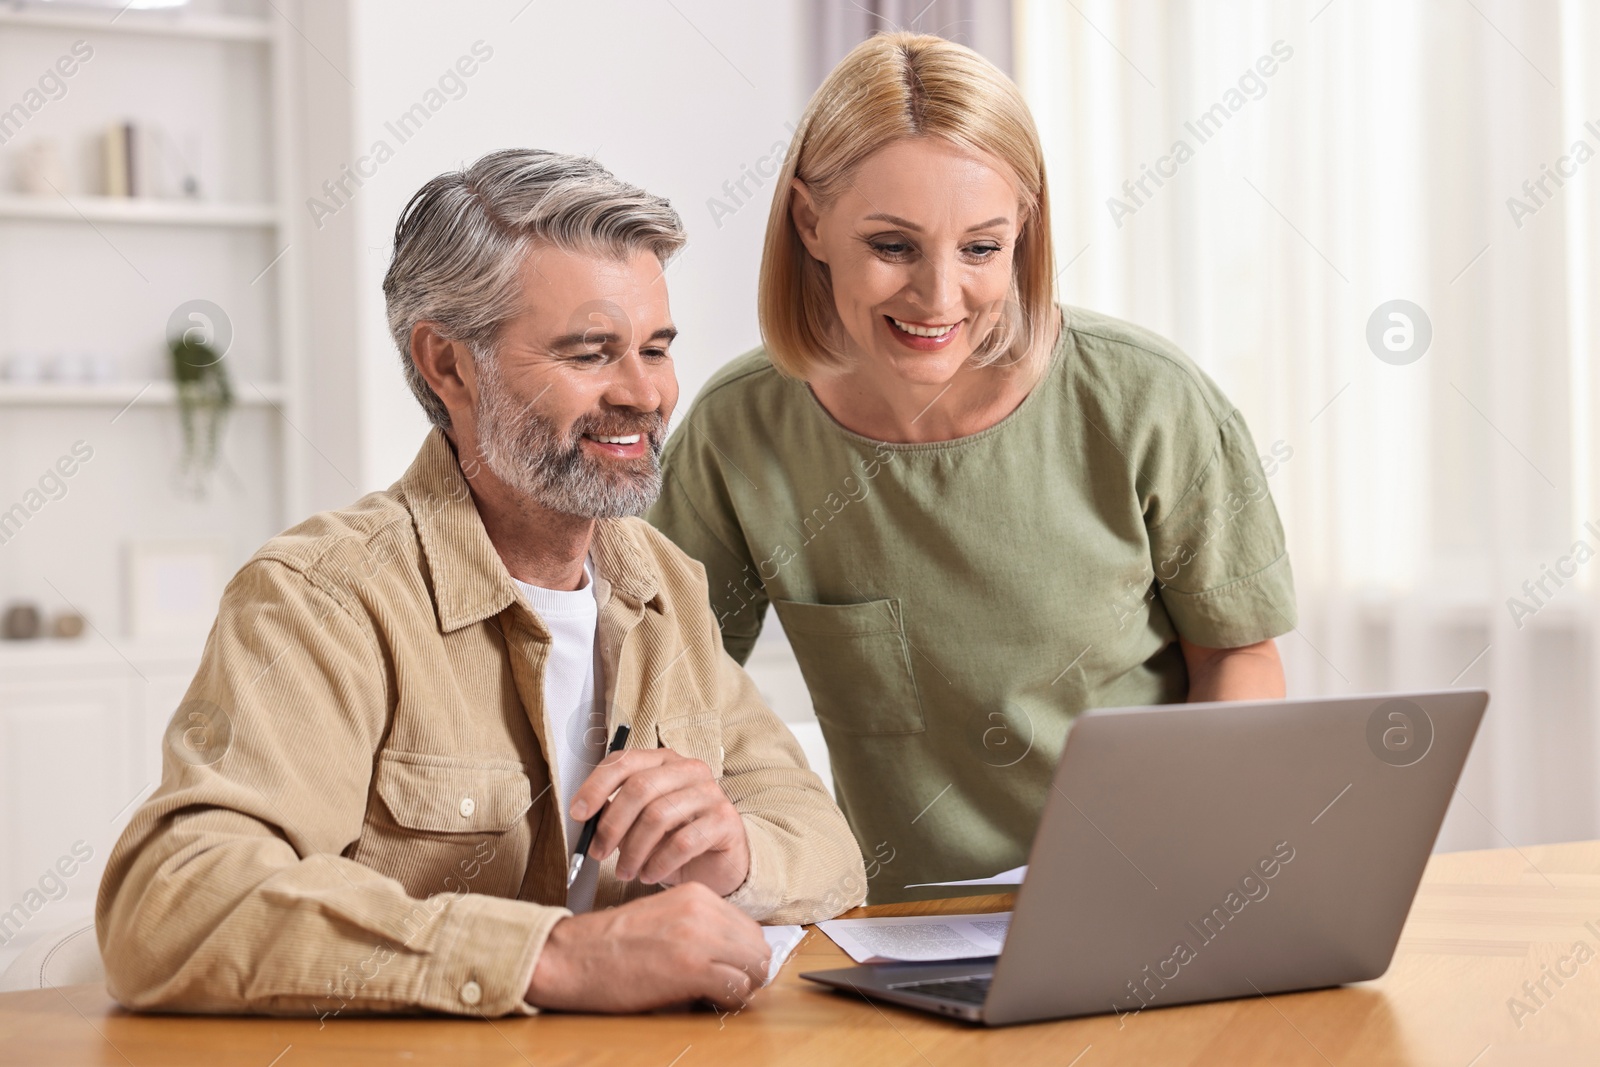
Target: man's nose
column 634, row 384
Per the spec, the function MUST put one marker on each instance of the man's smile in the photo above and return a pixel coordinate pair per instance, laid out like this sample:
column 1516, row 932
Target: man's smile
column 619, row 446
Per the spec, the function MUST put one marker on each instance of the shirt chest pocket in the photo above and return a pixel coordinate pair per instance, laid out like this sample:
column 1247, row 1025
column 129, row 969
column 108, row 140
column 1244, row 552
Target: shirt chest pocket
column 857, row 664
column 440, row 824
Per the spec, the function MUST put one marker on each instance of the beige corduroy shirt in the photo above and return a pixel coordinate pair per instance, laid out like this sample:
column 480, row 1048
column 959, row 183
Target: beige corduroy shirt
column 356, row 808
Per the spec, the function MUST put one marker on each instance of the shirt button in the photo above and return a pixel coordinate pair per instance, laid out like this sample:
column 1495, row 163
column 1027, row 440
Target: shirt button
column 468, row 806
column 471, row 993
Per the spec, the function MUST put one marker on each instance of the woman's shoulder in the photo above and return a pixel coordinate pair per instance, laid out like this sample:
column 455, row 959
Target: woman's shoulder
column 1118, row 363
column 734, row 383
column 741, row 397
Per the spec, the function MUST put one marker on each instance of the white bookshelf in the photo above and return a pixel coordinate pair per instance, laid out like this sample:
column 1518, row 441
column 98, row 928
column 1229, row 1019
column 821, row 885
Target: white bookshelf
column 164, row 23
column 255, row 41
column 138, row 212
column 73, row 394
column 85, row 273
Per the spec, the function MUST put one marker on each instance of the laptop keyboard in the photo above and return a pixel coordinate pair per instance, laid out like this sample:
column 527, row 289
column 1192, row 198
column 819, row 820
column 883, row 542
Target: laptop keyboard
column 970, row 990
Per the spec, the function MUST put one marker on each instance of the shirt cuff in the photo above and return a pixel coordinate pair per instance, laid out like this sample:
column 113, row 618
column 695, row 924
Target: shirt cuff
column 472, row 973
column 1243, row 612
column 755, row 898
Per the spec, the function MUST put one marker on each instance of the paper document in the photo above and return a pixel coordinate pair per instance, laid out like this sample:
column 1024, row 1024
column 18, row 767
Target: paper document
column 782, row 940
column 1012, row 877
column 915, row 938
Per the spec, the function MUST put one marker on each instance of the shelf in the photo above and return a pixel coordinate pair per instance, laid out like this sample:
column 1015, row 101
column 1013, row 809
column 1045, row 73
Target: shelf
column 152, row 23
column 133, row 210
column 50, row 656
column 69, row 394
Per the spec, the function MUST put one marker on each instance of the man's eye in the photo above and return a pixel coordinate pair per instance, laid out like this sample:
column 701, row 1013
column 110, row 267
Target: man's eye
column 656, row 354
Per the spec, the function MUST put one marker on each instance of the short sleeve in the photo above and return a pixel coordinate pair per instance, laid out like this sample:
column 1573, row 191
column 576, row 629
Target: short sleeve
column 1218, row 551
column 696, row 512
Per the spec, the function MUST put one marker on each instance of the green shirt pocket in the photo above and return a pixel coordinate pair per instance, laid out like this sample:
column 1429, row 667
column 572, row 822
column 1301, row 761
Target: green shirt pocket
column 857, row 665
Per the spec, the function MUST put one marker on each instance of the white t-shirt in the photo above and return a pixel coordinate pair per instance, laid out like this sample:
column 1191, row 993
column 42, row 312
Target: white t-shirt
column 575, row 721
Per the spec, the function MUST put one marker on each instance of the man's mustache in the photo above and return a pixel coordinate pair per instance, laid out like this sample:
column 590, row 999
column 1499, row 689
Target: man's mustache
column 651, row 425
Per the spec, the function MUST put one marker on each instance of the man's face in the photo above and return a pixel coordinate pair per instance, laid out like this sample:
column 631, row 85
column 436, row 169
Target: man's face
column 572, row 405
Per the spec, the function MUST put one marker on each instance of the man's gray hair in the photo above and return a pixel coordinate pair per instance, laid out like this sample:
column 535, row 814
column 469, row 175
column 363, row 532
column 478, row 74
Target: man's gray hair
column 460, row 243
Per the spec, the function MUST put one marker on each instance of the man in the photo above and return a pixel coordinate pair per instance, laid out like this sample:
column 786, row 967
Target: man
column 375, row 782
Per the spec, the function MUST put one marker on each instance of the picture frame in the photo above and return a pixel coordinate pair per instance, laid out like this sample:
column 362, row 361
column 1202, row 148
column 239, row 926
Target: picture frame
column 173, row 588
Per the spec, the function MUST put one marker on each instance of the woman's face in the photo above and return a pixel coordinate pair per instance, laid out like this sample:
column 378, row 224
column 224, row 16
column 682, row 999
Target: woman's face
column 919, row 247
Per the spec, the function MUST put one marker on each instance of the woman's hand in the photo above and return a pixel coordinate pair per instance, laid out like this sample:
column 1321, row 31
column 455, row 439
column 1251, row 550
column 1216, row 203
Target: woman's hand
column 1250, row 672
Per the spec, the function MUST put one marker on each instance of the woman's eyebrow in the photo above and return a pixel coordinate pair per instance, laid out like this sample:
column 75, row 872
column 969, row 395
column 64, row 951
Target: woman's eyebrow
column 907, row 224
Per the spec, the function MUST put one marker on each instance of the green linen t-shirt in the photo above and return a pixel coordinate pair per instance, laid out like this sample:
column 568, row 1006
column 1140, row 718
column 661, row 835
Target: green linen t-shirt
column 955, row 605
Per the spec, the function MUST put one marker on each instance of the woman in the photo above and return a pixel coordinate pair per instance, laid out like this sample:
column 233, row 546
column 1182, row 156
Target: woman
column 976, row 513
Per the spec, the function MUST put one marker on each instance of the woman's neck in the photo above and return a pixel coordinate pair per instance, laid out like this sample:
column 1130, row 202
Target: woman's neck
column 886, row 407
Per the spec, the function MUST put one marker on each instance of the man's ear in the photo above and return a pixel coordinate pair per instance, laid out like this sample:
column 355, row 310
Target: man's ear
column 446, row 365
column 803, row 210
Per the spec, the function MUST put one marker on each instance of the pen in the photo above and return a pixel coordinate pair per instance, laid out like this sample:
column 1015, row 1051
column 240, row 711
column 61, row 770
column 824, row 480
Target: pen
column 585, row 838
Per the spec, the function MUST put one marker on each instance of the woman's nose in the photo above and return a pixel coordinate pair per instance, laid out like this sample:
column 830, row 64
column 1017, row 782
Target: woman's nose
column 934, row 285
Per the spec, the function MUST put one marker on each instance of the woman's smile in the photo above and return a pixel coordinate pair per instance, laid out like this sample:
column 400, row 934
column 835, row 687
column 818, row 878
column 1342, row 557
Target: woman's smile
column 922, row 336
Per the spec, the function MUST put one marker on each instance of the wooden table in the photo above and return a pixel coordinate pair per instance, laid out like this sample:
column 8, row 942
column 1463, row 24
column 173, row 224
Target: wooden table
column 1483, row 924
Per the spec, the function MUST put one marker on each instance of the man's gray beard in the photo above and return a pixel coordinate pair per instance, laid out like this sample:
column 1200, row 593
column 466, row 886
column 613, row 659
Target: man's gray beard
column 526, row 451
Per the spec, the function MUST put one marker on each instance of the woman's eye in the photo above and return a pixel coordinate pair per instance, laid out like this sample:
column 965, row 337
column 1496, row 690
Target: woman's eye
column 891, row 248
column 983, row 251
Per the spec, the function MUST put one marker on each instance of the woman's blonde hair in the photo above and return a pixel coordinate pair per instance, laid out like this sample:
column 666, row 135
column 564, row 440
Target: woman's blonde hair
column 890, row 88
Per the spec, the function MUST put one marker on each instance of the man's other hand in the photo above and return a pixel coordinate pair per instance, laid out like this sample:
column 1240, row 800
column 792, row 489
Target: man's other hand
column 670, row 948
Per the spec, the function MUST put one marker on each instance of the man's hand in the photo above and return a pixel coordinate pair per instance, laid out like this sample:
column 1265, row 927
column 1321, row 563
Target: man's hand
column 670, row 948
column 669, row 818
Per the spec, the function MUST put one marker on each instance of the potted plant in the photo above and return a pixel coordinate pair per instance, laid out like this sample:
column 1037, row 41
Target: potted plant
column 204, row 400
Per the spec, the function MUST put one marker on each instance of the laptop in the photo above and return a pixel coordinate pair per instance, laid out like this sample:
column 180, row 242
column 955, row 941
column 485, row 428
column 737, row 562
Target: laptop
column 1192, row 852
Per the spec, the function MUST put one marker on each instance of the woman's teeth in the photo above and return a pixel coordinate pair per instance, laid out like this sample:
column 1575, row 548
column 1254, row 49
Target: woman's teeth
column 630, row 439
column 923, row 331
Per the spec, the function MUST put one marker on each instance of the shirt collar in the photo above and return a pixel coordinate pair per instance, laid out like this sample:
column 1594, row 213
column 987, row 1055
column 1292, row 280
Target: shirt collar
column 470, row 580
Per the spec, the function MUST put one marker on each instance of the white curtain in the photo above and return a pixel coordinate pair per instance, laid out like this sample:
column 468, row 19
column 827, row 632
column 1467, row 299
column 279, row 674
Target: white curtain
column 1338, row 155
column 840, row 25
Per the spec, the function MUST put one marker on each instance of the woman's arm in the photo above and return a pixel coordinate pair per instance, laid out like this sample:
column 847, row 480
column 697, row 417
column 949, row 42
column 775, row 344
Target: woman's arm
column 1250, row 672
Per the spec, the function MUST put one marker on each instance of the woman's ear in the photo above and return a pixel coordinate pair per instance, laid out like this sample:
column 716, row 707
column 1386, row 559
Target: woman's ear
column 803, row 210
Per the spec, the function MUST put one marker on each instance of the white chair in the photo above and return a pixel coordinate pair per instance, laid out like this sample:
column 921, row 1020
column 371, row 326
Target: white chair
column 62, row 955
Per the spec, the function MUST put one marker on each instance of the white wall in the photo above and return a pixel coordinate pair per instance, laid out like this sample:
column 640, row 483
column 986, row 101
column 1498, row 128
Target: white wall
column 677, row 103
column 679, row 98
